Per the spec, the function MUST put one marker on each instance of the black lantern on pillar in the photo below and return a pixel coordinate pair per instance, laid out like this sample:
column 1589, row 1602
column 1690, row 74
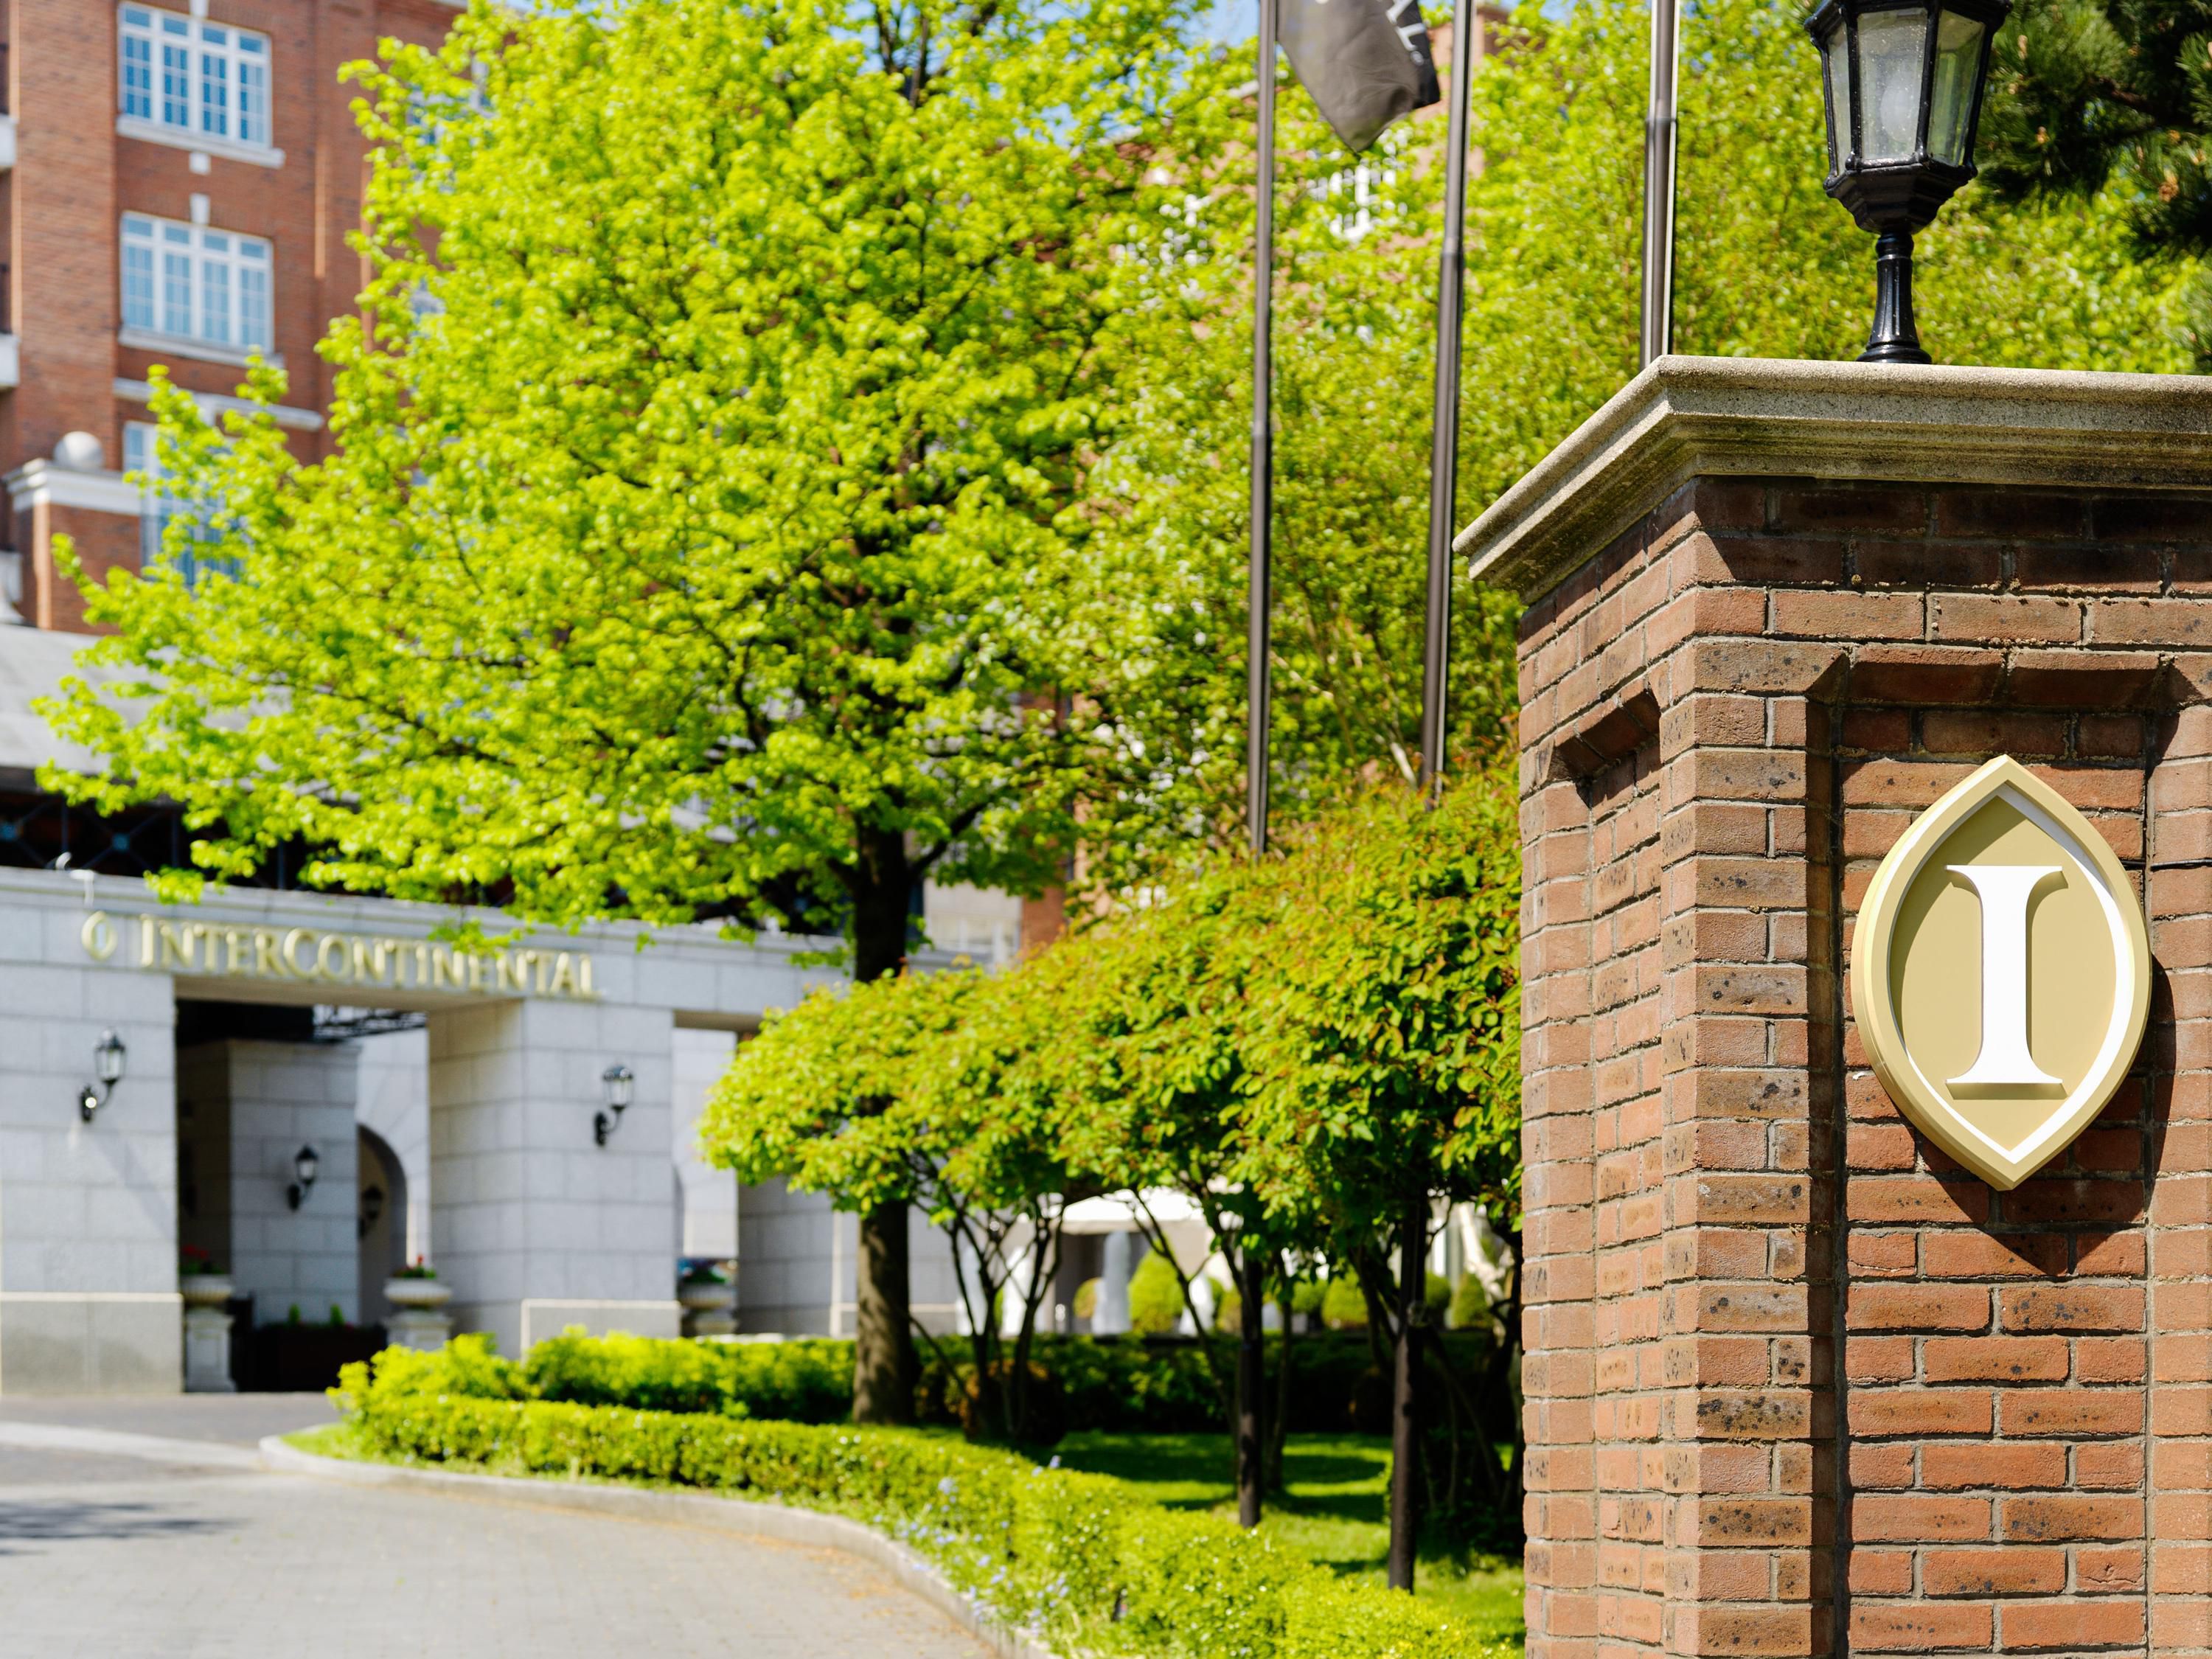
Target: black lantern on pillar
column 1903, row 85
column 617, row 1083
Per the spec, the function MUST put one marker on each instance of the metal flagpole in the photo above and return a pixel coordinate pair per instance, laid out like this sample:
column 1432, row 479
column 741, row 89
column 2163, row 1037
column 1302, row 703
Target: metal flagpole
column 1257, row 683
column 1659, row 187
column 1443, row 442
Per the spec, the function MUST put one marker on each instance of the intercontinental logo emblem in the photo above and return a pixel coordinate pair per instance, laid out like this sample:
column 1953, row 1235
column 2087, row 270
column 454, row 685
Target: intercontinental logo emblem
column 2001, row 973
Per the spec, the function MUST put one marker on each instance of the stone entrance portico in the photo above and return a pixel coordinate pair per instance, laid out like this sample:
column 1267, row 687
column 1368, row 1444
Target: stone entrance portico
column 534, row 1226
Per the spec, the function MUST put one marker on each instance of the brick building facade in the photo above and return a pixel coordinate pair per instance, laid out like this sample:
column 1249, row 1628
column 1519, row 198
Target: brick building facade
column 1795, row 1383
column 218, row 133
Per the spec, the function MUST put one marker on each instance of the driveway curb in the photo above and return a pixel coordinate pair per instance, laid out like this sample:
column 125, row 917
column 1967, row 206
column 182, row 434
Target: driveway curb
column 744, row 1517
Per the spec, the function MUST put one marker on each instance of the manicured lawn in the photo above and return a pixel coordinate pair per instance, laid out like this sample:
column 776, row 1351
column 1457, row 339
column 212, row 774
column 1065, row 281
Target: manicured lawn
column 1335, row 1514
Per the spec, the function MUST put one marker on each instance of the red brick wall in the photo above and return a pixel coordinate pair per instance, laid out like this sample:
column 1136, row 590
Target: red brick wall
column 104, row 542
column 75, row 177
column 62, row 251
column 1728, row 717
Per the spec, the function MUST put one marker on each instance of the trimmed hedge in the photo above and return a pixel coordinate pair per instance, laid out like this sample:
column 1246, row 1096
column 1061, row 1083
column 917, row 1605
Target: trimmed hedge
column 1122, row 1385
column 802, row 1382
column 1081, row 1561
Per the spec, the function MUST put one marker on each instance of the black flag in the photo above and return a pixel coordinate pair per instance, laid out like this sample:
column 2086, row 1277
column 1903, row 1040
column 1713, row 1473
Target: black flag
column 1365, row 62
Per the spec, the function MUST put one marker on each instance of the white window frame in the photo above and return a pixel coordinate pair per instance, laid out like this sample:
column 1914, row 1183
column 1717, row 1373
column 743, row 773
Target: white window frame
column 197, row 290
column 141, row 456
column 195, row 84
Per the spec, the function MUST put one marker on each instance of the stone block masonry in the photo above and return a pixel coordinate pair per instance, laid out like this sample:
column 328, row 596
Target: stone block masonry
column 1795, row 1384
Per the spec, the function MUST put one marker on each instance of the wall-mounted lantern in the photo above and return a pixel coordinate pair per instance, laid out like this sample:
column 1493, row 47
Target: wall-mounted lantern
column 108, row 1057
column 304, row 1167
column 617, row 1082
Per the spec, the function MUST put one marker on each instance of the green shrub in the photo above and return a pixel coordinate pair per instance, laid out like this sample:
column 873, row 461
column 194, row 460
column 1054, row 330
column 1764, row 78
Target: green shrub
column 803, row 1382
column 1155, row 1297
column 1470, row 1305
column 1086, row 1299
column 1343, row 1307
column 1088, row 1565
column 1306, row 1296
column 622, row 1370
column 468, row 1365
column 1119, row 1384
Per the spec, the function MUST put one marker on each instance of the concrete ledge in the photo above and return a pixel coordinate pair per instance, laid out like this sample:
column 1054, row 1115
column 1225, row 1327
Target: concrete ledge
column 91, row 1342
column 742, row 1517
column 1685, row 417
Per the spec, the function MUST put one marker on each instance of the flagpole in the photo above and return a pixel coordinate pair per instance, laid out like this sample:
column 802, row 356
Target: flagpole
column 1256, row 676
column 1659, row 128
column 1443, row 440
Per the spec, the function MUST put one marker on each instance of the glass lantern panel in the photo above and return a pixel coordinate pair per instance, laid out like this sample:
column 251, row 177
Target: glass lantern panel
column 1958, row 56
column 1892, row 47
column 1836, row 77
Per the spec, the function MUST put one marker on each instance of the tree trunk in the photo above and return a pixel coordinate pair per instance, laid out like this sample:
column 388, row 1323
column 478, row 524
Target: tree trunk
column 1404, row 1403
column 883, row 1364
column 883, row 1346
column 1278, row 1428
column 1251, row 1383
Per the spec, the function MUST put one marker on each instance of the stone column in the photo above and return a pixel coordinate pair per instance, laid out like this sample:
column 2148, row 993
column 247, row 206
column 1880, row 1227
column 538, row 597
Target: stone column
column 534, row 1226
column 1111, row 1315
column 1796, row 1383
column 88, row 1301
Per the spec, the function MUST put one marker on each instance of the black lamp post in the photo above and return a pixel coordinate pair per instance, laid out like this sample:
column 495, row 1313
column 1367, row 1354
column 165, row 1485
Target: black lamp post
column 1903, row 85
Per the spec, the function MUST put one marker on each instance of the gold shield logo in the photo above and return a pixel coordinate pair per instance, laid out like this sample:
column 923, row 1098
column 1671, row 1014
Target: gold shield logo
column 2001, row 973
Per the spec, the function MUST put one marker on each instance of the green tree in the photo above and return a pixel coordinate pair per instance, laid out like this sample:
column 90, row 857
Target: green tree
column 1767, row 266
column 1147, row 1056
column 2089, row 94
column 1383, row 1042
column 708, row 499
column 884, row 1096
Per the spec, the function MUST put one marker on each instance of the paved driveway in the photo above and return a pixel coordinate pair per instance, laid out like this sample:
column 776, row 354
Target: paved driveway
column 178, row 1548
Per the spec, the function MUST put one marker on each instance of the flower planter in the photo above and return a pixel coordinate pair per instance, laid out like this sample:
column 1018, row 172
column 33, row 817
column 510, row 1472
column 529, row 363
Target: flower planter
column 427, row 1294
column 205, row 1290
column 418, row 1320
column 703, row 1298
column 706, row 1308
column 207, row 1332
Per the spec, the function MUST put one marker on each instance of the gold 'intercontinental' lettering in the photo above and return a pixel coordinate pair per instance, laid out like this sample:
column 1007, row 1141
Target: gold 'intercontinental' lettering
column 371, row 961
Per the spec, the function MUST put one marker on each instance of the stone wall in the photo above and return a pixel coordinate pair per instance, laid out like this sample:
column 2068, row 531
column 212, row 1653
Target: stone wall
column 1795, row 1383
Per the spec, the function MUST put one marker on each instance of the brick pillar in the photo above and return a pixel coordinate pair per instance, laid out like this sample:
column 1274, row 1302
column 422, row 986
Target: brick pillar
column 1796, row 1383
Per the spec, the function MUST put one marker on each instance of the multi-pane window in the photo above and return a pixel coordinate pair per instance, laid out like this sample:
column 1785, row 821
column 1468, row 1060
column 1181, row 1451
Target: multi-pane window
column 142, row 457
column 194, row 78
column 193, row 283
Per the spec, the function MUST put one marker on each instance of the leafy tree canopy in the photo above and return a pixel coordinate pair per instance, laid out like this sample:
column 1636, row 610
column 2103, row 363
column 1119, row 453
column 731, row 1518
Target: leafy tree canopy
column 711, row 459
column 1767, row 266
column 2087, row 94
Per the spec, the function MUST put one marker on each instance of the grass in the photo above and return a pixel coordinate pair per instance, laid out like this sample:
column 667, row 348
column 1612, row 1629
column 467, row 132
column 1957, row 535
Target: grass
column 1335, row 1512
column 330, row 1440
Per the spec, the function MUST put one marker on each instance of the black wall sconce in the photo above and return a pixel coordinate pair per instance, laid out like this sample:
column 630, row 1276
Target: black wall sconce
column 617, row 1083
column 108, row 1057
column 304, row 1166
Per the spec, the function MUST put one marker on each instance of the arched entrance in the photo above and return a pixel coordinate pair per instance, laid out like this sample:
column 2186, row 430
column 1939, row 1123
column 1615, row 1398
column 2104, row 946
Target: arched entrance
column 380, row 1224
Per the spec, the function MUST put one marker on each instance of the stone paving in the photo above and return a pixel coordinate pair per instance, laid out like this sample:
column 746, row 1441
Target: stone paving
column 107, row 1554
